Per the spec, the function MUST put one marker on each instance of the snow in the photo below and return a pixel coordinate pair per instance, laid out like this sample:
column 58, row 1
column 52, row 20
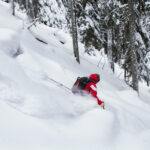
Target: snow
column 9, row 41
column 37, row 114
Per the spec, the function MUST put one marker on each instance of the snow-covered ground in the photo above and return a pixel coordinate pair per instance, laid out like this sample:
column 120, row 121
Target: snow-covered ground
column 36, row 114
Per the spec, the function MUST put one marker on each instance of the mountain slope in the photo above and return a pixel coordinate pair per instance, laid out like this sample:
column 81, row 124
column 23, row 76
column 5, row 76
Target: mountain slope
column 37, row 114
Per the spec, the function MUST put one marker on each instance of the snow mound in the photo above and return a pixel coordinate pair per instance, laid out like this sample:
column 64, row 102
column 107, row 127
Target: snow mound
column 9, row 42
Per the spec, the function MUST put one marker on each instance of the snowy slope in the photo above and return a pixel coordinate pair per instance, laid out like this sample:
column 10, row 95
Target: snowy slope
column 37, row 114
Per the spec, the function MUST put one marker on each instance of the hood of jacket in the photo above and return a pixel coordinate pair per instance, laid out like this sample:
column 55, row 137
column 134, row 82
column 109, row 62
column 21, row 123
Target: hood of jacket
column 94, row 78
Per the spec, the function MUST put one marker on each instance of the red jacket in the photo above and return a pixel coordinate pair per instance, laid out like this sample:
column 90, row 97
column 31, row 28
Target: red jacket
column 92, row 88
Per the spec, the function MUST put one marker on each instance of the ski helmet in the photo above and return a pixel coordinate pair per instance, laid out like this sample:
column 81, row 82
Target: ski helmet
column 98, row 76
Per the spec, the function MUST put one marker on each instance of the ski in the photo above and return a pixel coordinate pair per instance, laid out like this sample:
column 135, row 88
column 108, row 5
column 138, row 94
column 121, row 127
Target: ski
column 58, row 84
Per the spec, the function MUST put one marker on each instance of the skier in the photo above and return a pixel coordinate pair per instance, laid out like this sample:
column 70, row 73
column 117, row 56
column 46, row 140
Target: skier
column 85, row 85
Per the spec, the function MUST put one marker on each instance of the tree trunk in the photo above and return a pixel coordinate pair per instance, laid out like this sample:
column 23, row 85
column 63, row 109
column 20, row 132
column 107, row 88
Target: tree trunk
column 132, row 51
column 74, row 31
column 27, row 6
column 84, row 2
column 110, row 46
column 105, row 42
column 12, row 7
column 113, row 50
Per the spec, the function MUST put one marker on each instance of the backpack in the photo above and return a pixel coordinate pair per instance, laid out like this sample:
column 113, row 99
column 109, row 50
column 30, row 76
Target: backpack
column 80, row 84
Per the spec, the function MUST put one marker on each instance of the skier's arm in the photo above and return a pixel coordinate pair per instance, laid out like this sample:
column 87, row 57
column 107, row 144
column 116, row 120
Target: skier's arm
column 93, row 91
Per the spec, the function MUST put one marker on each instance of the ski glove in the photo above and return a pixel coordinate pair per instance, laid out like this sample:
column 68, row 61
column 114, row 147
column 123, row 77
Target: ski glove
column 102, row 105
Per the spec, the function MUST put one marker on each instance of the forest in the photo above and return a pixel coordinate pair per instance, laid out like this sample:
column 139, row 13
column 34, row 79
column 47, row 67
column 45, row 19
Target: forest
column 119, row 27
